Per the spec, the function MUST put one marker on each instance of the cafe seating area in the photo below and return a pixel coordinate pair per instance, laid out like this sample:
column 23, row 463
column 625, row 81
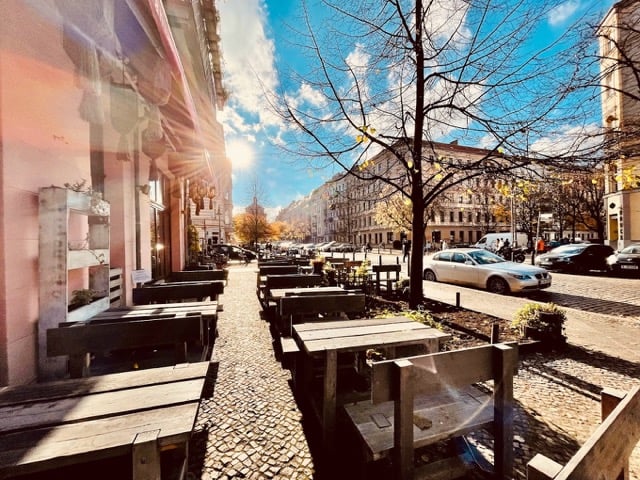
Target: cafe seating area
column 135, row 376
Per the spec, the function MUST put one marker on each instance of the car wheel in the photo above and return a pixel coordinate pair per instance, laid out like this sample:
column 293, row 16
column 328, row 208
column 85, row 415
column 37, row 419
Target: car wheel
column 429, row 276
column 497, row 285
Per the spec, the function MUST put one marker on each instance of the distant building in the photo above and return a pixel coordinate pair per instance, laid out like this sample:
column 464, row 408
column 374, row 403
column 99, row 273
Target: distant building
column 619, row 37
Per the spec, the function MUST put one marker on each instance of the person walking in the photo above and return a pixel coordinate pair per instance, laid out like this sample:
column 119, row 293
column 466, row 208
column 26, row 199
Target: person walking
column 407, row 250
column 538, row 250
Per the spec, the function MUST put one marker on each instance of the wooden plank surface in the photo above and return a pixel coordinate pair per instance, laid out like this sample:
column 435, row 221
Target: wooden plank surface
column 360, row 342
column 451, row 414
column 349, row 302
column 163, row 306
column 609, row 447
column 98, row 337
column 354, row 331
column 103, row 383
column 47, row 448
column 277, row 293
column 93, row 406
column 327, row 325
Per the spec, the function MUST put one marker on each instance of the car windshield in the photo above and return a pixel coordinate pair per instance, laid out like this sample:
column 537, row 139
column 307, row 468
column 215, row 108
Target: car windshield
column 631, row 249
column 569, row 249
column 484, row 257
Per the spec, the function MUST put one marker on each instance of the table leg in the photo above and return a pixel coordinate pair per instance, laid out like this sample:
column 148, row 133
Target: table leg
column 146, row 456
column 329, row 401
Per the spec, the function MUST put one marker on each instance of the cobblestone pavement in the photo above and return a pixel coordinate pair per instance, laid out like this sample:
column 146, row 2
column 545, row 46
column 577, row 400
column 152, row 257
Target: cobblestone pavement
column 252, row 426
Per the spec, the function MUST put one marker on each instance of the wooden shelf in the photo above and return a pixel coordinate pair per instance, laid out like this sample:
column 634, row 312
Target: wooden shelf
column 56, row 260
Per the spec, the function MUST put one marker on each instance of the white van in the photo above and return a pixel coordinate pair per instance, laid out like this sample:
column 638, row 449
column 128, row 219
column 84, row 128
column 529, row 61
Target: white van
column 488, row 242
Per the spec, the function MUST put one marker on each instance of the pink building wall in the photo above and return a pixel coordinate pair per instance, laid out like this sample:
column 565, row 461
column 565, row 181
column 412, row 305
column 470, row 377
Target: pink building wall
column 44, row 143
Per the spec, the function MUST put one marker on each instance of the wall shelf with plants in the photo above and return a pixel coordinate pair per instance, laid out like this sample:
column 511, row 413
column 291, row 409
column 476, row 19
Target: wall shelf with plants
column 66, row 212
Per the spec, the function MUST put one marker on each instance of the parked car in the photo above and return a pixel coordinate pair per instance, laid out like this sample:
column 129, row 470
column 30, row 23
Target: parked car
column 626, row 261
column 233, row 252
column 576, row 258
column 480, row 268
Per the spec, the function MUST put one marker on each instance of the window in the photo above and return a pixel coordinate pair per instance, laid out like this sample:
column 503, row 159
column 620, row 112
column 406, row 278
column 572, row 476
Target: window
column 460, row 217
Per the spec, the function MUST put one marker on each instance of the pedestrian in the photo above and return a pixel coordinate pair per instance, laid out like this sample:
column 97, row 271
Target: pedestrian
column 407, row 250
column 540, row 246
column 444, row 245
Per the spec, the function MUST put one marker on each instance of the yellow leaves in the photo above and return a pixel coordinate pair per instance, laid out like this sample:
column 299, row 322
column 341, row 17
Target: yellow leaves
column 594, row 181
column 410, row 164
column 367, row 132
column 439, row 176
column 366, row 164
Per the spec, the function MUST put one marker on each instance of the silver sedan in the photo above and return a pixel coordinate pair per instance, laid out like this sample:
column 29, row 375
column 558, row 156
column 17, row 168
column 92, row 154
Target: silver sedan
column 476, row 267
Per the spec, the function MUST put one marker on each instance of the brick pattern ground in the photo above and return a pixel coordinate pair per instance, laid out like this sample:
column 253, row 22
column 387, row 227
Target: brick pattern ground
column 252, row 427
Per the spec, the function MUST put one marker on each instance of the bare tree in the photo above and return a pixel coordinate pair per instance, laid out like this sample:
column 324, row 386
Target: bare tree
column 390, row 78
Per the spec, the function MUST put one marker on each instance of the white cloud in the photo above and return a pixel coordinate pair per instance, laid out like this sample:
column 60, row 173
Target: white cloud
column 249, row 58
column 568, row 140
column 559, row 14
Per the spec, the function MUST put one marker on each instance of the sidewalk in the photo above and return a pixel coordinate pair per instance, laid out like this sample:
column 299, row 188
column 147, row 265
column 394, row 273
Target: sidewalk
column 252, row 427
column 606, row 334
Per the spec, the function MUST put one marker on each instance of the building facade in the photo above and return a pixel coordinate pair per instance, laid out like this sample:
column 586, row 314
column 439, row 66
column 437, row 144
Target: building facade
column 111, row 99
column 348, row 208
column 619, row 43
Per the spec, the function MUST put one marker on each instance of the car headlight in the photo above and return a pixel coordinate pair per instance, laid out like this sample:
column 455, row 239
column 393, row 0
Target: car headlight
column 565, row 259
column 520, row 276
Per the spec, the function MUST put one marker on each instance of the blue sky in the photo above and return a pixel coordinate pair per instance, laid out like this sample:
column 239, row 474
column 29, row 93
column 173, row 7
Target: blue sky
column 257, row 46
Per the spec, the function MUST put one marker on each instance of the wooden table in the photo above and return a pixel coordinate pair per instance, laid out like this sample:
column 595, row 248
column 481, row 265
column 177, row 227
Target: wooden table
column 327, row 339
column 48, row 426
column 278, row 293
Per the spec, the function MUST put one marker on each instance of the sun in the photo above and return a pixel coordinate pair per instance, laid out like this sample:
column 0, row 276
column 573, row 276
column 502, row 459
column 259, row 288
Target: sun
column 241, row 154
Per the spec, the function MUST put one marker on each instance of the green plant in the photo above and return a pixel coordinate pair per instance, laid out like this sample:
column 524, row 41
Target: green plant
column 544, row 317
column 423, row 317
column 84, row 296
column 362, row 272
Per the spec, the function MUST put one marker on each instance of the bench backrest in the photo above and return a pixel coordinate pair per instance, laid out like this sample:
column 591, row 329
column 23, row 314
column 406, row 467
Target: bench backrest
column 394, row 267
column 83, row 337
column 291, row 281
column 198, row 275
column 402, row 379
column 277, row 270
column 317, row 304
column 166, row 292
column 294, row 309
column 606, row 452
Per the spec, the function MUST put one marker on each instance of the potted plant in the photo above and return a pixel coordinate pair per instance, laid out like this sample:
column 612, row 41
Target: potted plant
column 541, row 321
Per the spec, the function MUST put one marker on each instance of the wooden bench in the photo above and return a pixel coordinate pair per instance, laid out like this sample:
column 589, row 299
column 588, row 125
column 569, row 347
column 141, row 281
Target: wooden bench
column 302, row 308
column 134, row 424
column 392, row 274
column 198, row 275
column 79, row 339
column 418, row 401
column 272, row 282
column 605, row 454
column 208, row 311
column 177, row 291
column 272, row 270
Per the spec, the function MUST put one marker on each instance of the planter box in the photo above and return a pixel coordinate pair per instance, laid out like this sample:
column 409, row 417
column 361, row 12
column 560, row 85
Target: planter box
column 85, row 312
